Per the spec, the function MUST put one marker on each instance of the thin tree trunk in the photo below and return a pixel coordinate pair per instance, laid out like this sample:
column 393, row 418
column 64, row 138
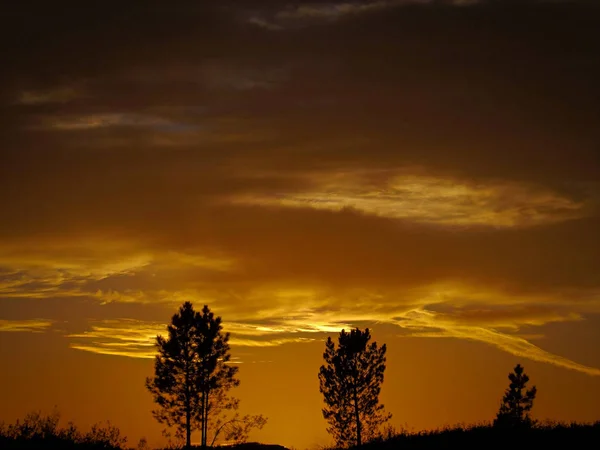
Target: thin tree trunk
column 357, row 414
column 202, row 429
column 188, row 428
column 188, row 415
column 205, row 441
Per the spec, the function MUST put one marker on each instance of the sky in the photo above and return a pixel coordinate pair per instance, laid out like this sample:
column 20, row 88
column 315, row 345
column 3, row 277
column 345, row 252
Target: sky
column 427, row 169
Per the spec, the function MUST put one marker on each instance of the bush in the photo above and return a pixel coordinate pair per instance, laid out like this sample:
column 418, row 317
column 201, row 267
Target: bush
column 38, row 431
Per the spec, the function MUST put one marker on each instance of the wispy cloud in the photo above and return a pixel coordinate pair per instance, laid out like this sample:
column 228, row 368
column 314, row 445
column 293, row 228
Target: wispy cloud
column 329, row 10
column 55, row 95
column 302, row 315
column 106, row 120
column 78, row 269
column 423, row 323
column 315, row 12
column 513, row 317
column 314, row 317
column 124, row 337
column 28, row 326
column 38, row 275
column 219, row 75
column 268, row 343
column 136, row 339
column 430, row 199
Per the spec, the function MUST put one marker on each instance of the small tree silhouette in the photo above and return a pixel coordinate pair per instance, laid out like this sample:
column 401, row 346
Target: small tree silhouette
column 350, row 382
column 517, row 401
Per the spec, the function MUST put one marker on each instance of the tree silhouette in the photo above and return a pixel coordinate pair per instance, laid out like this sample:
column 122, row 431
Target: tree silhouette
column 191, row 374
column 350, row 381
column 517, row 401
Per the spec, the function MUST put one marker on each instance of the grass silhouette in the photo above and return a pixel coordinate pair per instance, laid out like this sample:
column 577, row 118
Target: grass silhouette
column 483, row 436
column 38, row 431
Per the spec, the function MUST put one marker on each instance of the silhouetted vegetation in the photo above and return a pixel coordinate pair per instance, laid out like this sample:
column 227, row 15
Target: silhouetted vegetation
column 517, row 402
column 192, row 377
column 486, row 436
column 38, row 431
column 350, row 382
column 241, row 446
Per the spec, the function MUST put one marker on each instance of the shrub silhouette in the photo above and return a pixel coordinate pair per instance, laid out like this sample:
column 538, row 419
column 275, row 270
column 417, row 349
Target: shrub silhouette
column 38, row 431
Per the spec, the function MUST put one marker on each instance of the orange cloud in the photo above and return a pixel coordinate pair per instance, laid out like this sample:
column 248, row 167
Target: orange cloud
column 429, row 199
column 425, row 323
column 296, row 315
column 30, row 326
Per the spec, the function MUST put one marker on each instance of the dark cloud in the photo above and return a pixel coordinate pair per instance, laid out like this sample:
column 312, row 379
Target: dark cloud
column 152, row 151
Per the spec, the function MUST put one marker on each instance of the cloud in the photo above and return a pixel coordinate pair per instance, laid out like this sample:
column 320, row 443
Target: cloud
column 268, row 343
column 425, row 323
column 428, row 199
column 330, row 10
column 219, row 75
column 25, row 326
column 275, row 316
column 305, row 181
column 56, row 95
column 95, row 121
column 275, row 17
column 285, row 325
column 295, row 13
column 512, row 317
column 41, row 273
column 130, row 338
column 136, row 339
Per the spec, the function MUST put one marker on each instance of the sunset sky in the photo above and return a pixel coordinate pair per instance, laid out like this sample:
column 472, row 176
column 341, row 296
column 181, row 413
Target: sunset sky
column 428, row 169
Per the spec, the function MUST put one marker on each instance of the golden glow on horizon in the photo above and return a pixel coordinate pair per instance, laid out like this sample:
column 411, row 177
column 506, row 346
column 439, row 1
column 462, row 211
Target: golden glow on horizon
column 416, row 316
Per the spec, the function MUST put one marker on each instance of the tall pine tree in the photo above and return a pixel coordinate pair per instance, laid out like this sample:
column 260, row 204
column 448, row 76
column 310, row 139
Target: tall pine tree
column 191, row 372
column 517, row 401
column 350, row 381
